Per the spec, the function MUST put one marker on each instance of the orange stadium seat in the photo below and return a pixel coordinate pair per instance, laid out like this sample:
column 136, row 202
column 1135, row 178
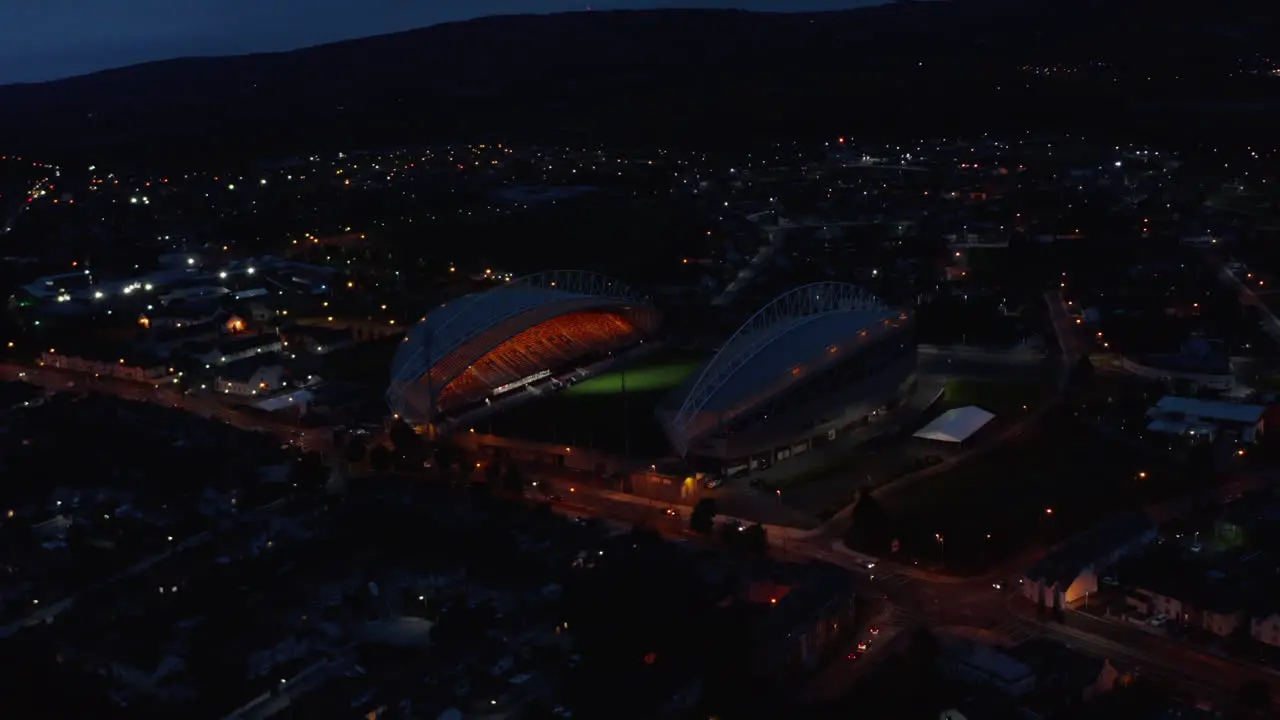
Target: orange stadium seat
column 551, row 345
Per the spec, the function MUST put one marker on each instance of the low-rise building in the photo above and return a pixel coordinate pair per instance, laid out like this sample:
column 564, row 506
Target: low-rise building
column 1191, row 416
column 1264, row 627
column 139, row 367
column 229, row 351
column 979, row 664
column 251, row 376
column 1070, row 571
column 321, row 340
column 803, row 613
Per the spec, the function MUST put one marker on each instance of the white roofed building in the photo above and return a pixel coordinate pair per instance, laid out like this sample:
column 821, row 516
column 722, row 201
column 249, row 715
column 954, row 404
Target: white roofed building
column 956, row 425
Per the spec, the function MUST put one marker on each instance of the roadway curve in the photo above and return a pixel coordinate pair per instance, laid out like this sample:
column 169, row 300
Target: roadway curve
column 915, row 596
column 54, row 380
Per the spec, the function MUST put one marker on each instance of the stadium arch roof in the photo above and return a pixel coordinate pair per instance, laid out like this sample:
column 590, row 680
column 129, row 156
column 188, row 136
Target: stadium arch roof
column 462, row 331
column 790, row 331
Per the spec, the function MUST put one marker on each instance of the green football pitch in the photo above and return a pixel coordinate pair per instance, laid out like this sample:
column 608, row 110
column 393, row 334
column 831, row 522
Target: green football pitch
column 638, row 380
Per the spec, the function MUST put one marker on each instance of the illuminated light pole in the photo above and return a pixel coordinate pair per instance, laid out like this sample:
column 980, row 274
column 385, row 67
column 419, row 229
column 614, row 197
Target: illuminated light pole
column 942, row 544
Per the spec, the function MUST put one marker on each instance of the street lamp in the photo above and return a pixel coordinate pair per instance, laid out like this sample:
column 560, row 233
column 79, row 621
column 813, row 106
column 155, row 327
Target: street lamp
column 942, row 543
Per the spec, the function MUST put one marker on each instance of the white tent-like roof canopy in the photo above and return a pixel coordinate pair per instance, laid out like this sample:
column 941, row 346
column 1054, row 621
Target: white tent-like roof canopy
column 956, row 425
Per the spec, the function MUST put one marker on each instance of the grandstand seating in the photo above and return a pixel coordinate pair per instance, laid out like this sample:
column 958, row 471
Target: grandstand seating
column 551, row 345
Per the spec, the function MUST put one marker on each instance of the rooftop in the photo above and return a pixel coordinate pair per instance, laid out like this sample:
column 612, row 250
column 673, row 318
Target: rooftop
column 1209, row 409
column 956, row 425
column 1064, row 563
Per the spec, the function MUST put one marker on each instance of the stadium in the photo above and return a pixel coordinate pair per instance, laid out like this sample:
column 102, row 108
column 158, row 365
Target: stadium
column 537, row 330
column 816, row 363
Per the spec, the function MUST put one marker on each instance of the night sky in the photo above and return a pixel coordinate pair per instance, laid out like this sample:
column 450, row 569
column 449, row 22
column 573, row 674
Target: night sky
column 48, row 39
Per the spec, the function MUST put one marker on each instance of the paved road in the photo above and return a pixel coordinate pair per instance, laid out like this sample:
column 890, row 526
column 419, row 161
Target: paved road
column 209, row 406
column 1009, row 368
column 1064, row 326
column 1247, row 296
column 915, row 596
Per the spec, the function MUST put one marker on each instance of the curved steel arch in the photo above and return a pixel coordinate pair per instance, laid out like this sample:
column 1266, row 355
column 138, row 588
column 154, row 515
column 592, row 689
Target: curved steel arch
column 790, row 310
column 471, row 316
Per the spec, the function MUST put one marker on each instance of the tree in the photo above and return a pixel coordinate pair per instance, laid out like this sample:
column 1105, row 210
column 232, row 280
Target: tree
column 380, row 458
column 403, row 438
column 754, row 540
column 870, row 528
column 1255, row 695
column 1199, row 463
column 703, row 518
column 1083, row 371
column 355, row 451
column 309, row 472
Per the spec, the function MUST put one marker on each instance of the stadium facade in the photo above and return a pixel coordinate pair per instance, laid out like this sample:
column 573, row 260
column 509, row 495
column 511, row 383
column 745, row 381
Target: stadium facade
column 486, row 344
column 816, row 363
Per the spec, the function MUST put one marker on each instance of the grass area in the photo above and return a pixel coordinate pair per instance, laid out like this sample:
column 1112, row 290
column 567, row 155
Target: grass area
column 596, row 414
column 1005, row 399
column 642, row 379
column 611, row 422
column 366, row 363
column 1056, row 481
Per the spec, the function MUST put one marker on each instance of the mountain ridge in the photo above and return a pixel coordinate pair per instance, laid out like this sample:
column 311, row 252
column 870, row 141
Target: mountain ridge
column 632, row 74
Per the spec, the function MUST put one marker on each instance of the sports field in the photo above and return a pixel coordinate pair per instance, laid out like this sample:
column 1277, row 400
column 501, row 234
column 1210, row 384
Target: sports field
column 662, row 375
column 596, row 413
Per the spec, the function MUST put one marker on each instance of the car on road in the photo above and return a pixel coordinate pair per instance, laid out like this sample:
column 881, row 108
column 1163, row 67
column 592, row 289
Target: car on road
column 874, row 630
column 854, row 655
column 555, row 498
column 670, row 512
column 863, row 645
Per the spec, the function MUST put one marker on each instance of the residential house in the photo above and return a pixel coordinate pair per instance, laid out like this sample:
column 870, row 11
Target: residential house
column 168, row 341
column 1168, row 603
column 802, row 612
column 1222, row 614
column 229, row 351
column 1068, row 673
column 975, row 663
column 1070, row 571
column 182, row 315
column 1266, row 629
column 132, row 366
column 321, row 340
column 251, row 376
